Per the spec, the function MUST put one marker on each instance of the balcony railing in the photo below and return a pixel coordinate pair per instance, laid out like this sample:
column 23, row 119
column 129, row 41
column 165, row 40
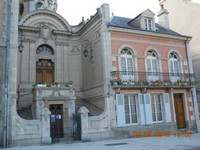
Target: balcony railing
column 151, row 79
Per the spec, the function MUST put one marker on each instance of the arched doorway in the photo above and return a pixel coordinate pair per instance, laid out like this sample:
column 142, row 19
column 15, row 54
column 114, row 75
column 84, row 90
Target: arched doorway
column 44, row 65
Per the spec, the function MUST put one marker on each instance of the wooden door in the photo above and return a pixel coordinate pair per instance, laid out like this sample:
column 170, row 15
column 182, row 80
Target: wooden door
column 56, row 120
column 44, row 71
column 180, row 114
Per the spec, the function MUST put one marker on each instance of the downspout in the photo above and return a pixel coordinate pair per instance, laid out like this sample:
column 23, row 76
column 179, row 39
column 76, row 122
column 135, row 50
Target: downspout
column 190, row 69
column 5, row 120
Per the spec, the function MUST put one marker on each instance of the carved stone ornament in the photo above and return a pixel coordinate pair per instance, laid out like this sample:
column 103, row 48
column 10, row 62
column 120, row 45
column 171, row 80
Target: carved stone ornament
column 45, row 31
column 50, row 5
column 75, row 49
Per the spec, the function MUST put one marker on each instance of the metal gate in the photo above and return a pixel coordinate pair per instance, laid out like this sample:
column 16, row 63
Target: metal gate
column 77, row 127
column 56, row 122
column 54, row 129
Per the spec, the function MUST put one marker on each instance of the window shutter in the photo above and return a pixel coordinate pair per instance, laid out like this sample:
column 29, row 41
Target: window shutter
column 147, row 106
column 141, row 105
column 167, row 107
column 120, row 110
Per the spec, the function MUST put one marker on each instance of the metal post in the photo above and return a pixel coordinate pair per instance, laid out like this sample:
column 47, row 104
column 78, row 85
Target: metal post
column 5, row 120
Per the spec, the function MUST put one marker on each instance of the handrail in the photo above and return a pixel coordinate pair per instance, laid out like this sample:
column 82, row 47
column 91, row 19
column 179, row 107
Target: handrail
column 152, row 78
column 98, row 109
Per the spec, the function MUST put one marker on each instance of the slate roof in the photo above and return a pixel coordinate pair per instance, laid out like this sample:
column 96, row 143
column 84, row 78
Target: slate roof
column 122, row 22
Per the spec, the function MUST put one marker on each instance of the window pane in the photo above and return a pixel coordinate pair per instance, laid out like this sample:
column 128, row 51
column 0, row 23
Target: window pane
column 146, row 24
column 154, row 116
column 123, row 62
column 126, row 100
column 126, row 109
column 154, row 66
column 150, row 24
column 127, row 119
column 159, row 116
column 133, row 109
column 130, row 62
column 171, row 67
column 134, row 118
column 152, row 108
column 176, row 67
column 132, row 100
column 124, row 69
column 149, row 65
column 130, row 69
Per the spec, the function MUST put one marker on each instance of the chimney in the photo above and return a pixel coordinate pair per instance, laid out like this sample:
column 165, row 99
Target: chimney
column 163, row 17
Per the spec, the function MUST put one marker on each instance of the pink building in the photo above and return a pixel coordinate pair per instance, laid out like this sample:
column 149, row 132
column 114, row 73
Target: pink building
column 151, row 80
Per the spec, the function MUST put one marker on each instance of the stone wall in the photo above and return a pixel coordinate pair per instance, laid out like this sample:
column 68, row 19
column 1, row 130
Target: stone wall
column 2, row 61
column 32, row 132
column 128, row 132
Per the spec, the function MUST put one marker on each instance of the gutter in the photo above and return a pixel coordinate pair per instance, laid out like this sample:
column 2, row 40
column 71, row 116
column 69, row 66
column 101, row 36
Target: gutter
column 7, row 61
column 189, row 62
column 146, row 33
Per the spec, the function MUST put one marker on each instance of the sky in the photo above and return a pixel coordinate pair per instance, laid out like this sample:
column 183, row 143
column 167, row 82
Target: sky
column 74, row 10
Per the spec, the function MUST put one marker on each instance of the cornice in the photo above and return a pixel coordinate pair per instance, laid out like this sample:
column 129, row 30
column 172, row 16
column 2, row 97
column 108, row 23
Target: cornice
column 41, row 13
column 154, row 34
column 29, row 29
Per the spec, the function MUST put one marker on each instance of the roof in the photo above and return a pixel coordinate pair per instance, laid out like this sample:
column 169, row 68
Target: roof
column 123, row 22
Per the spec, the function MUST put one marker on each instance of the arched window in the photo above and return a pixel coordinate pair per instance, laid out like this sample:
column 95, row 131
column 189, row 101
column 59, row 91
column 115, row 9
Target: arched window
column 44, row 64
column 127, row 64
column 174, row 66
column 44, row 50
column 152, row 65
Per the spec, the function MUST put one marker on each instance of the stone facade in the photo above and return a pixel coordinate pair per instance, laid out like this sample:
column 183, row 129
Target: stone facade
column 2, row 60
column 51, row 53
column 64, row 46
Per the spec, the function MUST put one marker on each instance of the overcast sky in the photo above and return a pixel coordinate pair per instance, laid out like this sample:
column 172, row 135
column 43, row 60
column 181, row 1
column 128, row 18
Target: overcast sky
column 74, row 10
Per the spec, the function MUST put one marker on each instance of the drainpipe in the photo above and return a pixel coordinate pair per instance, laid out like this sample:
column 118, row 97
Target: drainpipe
column 5, row 119
column 194, row 97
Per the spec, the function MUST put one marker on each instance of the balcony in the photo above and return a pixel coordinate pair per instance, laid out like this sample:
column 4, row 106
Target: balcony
column 131, row 79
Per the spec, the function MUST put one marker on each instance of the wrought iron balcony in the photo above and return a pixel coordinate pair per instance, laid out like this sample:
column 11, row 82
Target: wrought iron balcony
column 151, row 79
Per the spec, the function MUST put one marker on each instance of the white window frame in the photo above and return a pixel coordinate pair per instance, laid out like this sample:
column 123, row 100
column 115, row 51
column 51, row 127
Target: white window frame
column 129, row 109
column 153, row 98
column 174, row 70
column 148, row 22
column 151, row 69
column 127, row 54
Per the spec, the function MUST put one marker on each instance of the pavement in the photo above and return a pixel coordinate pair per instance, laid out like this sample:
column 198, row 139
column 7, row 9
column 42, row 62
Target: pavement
column 149, row 143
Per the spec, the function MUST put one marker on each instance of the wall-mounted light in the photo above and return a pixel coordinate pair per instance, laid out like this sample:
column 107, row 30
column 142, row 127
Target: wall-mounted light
column 87, row 49
column 21, row 46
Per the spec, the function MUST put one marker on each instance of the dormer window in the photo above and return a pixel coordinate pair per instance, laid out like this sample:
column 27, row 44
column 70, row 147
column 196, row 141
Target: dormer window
column 148, row 24
column 144, row 21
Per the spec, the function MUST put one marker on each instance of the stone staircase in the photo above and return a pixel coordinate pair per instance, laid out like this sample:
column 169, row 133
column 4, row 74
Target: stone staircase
column 94, row 110
column 25, row 113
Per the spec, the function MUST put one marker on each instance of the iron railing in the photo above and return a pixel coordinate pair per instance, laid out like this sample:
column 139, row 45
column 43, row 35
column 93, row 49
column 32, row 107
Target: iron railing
column 151, row 79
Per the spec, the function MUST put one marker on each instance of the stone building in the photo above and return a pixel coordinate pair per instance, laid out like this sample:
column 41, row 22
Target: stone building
column 187, row 14
column 152, row 80
column 2, row 60
column 57, row 71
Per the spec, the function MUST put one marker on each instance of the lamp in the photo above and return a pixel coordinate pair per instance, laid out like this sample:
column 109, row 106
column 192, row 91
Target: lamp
column 21, row 46
column 87, row 47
